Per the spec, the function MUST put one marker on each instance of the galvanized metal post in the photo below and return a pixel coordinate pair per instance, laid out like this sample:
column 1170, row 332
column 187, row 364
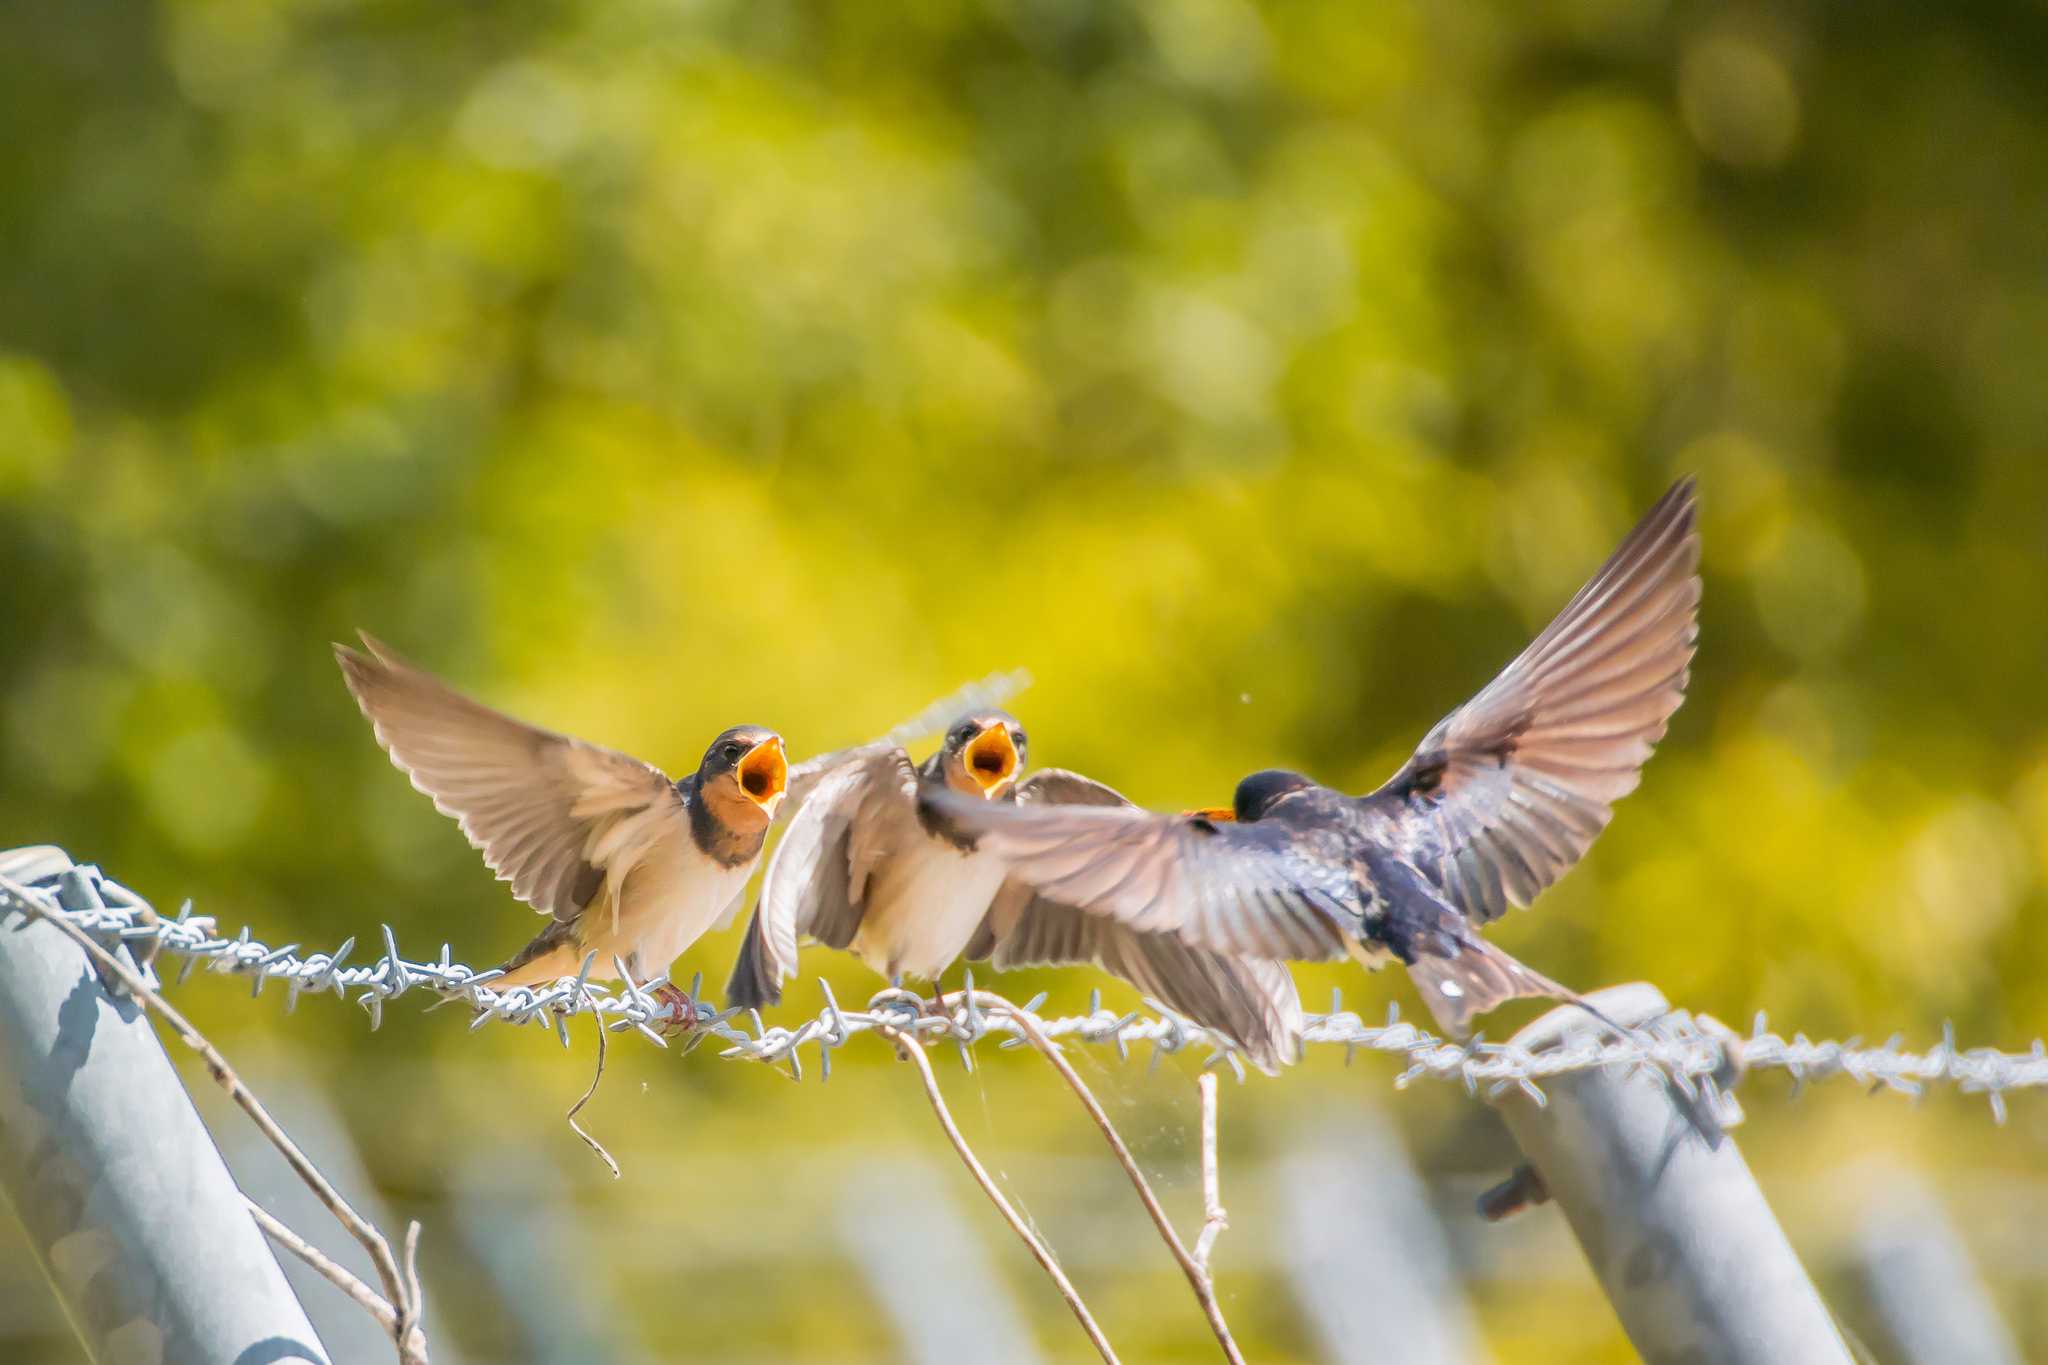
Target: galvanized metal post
column 514, row 1208
column 929, row 1268
column 1366, row 1254
column 308, row 1113
column 1683, row 1243
column 131, row 1211
column 1932, row 1301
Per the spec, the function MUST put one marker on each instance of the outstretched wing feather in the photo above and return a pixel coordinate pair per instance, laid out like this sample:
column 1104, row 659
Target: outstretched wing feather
column 1509, row 791
column 538, row 805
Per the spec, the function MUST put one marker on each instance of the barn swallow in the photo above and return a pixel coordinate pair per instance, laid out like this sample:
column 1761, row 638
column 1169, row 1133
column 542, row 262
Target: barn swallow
column 1501, row 799
column 867, row 866
column 627, row 863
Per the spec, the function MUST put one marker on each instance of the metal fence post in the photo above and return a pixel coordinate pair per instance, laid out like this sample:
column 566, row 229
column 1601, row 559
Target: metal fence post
column 1678, row 1233
column 513, row 1207
column 117, row 1183
column 307, row 1112
column 1933, row 1303
column 928, row 1268
column 1366, row 1253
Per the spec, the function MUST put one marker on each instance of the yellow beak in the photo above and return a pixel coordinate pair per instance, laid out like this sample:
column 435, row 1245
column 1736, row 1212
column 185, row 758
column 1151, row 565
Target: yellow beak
column 764, row 774
column 1215, row 815
column 991, row 760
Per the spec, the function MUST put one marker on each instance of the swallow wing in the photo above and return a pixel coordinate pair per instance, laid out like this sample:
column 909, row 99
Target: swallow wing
column 549, row 813
column 1248, row 1000
column 1509, row 790
column 1046, row 787
column 853, row 816
column 1061, row 787
column 1251, row 890
column 991, row 691
column 806, row 777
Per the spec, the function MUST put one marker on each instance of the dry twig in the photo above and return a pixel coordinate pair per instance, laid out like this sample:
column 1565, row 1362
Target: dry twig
column 408, row 1328
column 1214, row 1220
column 908, row 1046
column 329, row 1269
column 411, row 1342
column 577, row 1107
column 1197, row 1273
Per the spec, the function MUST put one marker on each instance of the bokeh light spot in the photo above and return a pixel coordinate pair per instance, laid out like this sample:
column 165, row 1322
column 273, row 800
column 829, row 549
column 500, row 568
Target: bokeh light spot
column 1739, row 102
column 205, row 789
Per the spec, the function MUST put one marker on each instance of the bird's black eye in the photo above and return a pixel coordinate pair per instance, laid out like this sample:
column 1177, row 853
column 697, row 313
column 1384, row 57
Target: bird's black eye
column 733, row 752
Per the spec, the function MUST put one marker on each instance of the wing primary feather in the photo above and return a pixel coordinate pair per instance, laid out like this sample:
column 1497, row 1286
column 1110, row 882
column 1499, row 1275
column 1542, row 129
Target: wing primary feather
column 519, row 793
column 1509, row 791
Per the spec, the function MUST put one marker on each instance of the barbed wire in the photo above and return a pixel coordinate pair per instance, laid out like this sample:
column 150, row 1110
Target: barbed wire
column 1697, row 1048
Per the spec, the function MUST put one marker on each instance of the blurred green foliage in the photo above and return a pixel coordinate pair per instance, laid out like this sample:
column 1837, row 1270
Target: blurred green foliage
column 1259, row 377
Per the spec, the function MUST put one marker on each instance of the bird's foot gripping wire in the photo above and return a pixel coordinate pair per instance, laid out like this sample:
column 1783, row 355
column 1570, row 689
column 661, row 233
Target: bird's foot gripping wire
column 909, row 1002
column 682, row 1016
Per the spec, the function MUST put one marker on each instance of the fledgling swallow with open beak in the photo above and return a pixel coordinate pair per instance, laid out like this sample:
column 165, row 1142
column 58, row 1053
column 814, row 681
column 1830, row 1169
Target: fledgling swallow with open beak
column 1501, row 799
column 626, row 862
column 868, row 866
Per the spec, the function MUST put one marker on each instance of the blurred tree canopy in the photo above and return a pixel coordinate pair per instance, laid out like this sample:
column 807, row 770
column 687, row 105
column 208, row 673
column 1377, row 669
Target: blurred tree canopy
column 1259, row 377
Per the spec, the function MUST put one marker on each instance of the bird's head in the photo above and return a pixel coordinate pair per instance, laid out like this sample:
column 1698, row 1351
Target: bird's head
column 1258, row 794
column 983, row 754
column 747, row 772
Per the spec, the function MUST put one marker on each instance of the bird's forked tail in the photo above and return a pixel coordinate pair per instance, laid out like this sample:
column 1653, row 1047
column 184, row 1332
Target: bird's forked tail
column 1478, row 976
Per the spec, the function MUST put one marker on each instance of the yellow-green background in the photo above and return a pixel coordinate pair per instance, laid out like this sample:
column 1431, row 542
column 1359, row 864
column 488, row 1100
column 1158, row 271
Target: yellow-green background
column 1258, row 377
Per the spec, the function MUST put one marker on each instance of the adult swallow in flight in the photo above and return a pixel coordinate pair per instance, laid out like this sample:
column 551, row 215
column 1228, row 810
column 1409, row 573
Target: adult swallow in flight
column 868, row 867
column 1498, row 802
column 623, row 860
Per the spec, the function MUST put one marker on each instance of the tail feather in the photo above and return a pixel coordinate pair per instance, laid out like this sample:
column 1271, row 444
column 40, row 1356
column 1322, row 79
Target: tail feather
column 1479, row 976
column 754, row 983
column 1251, row 1001
column 1475, row 977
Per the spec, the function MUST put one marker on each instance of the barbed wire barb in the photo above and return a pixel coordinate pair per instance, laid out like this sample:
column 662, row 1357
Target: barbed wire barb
column 1700, row 1050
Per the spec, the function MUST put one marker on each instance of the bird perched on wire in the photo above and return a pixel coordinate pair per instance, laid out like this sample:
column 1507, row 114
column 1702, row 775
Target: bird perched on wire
column 628, row 864
column 867, row 867
column 1498, row 802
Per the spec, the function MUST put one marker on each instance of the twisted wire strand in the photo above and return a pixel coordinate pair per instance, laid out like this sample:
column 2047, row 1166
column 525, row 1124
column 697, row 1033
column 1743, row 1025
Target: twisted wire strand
column 1698, row 1048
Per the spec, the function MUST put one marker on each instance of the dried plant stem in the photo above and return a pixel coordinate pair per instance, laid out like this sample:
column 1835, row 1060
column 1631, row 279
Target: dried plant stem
column 340, row 1276
column 1214, row 1220
column 909, row 1047
column 408, row 1328
column 1197, row 1273
column 331, row 1270
column 577, row 1107
column 411, row 1343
